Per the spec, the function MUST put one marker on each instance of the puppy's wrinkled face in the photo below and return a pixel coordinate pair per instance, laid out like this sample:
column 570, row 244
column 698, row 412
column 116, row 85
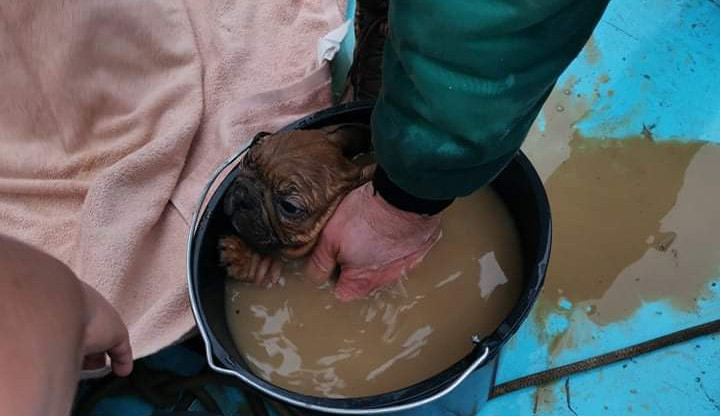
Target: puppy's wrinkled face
column 290, row 184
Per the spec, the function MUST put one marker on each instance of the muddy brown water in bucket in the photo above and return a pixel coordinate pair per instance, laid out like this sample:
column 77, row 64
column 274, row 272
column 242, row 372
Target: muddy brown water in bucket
column 299, row 337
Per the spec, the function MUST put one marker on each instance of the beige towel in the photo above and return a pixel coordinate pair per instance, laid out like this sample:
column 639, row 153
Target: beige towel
column 113, row 114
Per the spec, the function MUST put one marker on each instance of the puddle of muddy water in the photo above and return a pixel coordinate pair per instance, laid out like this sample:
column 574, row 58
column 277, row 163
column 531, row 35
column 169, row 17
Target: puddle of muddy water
column 635, row 219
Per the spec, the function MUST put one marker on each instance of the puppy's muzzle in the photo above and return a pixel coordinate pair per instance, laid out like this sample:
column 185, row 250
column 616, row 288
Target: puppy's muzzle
column 239, row 198
column 244, row 206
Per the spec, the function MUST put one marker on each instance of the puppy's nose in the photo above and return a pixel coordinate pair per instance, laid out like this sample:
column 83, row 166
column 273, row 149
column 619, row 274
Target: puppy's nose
column 238, row 198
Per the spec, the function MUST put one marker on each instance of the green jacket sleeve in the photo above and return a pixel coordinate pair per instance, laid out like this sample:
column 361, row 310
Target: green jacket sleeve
column 463, row 81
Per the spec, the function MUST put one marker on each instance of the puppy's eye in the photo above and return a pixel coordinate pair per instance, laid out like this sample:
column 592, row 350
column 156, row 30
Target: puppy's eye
column 289, row 208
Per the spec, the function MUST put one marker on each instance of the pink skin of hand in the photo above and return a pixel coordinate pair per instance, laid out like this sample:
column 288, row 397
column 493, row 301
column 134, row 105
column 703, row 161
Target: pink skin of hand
column 374, row 243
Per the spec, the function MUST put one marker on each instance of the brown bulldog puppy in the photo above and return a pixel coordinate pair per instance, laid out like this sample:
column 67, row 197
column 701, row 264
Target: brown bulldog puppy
column 288, row 188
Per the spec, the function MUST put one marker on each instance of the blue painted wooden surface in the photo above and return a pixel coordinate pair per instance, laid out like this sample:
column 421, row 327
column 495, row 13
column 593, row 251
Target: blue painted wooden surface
column 661, row 59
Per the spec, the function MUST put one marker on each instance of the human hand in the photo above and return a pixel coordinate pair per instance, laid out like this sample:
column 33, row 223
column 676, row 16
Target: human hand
column 58, row 325
column 105, row 335
column 374, row 244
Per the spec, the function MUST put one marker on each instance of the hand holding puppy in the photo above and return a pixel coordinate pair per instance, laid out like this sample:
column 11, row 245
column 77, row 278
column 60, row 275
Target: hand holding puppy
column 373, row 242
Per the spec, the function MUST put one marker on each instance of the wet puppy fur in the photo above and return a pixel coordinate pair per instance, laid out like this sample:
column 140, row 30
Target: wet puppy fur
column 288, row 187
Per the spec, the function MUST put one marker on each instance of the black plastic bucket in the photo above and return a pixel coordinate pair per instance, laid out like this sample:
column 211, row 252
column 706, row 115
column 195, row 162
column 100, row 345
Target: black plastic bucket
column 460, row 389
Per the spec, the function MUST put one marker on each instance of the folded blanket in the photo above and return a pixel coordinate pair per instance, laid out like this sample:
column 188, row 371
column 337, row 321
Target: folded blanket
column 113, row 114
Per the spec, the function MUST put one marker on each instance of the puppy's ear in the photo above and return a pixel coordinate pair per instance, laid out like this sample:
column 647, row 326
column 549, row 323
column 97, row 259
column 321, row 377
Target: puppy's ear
column 352, row 138
column 367, row 172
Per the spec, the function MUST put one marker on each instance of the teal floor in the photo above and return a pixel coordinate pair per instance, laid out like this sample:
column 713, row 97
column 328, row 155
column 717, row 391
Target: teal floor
column 660, row 58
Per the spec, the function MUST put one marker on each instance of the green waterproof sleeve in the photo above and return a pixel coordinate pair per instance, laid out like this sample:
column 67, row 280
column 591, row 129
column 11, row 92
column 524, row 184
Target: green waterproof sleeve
column 463, row 81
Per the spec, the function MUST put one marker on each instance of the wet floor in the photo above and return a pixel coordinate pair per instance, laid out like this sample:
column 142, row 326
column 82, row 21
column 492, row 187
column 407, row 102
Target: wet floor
column 633, row 218
column 644, row 84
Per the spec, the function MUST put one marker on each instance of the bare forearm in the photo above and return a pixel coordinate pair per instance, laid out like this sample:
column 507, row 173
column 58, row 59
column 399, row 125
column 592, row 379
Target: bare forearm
column 42, row 324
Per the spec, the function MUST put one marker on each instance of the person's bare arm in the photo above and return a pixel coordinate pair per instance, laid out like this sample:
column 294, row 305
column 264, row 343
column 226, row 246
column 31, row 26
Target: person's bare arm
column 50, row 323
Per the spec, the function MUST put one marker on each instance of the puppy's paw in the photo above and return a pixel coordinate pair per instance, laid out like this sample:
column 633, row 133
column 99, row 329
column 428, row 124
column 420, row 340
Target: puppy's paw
column 236, row 257
column 242, row 264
